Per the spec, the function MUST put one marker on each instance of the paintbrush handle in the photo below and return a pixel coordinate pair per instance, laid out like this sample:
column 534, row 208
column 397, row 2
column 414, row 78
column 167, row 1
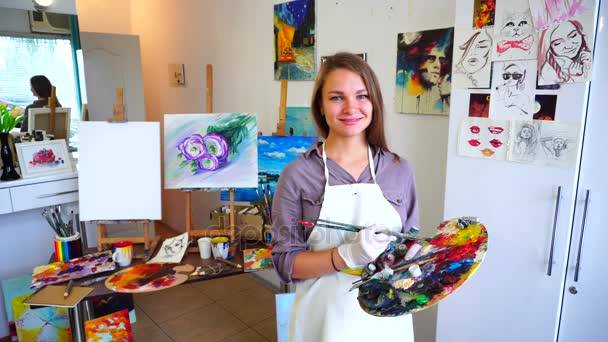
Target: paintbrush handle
column 354, row 226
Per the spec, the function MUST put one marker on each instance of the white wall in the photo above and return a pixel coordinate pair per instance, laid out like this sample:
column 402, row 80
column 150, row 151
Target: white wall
column 235, row 36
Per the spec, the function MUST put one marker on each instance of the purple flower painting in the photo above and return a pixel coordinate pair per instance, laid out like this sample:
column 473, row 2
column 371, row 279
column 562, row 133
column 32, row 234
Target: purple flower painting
column 210, row 150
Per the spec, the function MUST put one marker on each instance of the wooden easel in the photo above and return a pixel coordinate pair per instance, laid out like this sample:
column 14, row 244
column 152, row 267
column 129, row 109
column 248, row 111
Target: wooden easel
column 195, row 233
column 102, row 228
column 52, row 104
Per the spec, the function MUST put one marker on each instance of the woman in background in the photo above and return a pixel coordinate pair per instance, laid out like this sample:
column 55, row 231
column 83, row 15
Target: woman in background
column 41, row 88
column 351, row 178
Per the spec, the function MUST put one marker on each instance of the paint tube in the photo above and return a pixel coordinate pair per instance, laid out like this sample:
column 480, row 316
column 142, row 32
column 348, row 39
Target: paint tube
column 413, row 251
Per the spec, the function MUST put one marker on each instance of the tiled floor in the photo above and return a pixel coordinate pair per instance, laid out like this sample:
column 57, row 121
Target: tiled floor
column 232, row 309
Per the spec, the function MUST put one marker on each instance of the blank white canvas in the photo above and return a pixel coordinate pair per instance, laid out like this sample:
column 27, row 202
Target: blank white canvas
column 119, row 171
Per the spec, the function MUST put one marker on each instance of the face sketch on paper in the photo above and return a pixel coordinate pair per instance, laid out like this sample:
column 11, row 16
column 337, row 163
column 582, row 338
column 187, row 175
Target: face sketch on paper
column 526, row 141
column 510, row 88
column 564, row 55
column 515, row 36
column 554, row 147
column 474, row 61
column 174, row 247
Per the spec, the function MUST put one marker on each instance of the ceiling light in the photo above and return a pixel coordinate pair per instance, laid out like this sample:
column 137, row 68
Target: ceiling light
column 42, row 5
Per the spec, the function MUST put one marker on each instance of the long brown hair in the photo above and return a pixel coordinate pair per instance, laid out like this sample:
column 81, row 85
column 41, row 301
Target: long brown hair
column 348, row 61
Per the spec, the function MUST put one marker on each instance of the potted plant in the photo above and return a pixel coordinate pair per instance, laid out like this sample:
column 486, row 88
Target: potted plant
column 7, row 123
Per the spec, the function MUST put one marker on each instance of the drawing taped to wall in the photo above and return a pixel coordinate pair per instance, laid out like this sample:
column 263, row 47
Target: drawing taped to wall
column 566, row 52
column 483, row 13
column 423, row 79
column 472, row 58
column 551, row 143
column 210, row 150
column 512, row 89
column 514, row 33
column 483, row 138
column 294, row 40
column 549, row 12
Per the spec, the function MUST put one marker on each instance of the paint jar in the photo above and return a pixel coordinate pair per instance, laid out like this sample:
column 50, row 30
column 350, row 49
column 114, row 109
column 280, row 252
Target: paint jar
column 123, row 253
column 67, row 248
column 204, row 247
column 219, row 247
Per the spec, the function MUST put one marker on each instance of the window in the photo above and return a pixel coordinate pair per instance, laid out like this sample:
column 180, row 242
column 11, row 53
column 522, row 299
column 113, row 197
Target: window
column 23, row 57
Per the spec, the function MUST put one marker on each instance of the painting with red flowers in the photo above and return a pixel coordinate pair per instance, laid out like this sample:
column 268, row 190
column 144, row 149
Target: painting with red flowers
column 43, row 158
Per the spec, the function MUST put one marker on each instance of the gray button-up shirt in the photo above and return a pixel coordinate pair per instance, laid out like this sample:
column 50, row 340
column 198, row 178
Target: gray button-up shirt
column 299, row 196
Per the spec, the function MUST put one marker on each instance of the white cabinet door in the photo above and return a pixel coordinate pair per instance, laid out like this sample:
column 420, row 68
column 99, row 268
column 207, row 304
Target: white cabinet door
column 586, row 291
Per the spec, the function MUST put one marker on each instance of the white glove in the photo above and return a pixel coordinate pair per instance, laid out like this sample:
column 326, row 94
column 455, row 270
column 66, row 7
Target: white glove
column 366, row 247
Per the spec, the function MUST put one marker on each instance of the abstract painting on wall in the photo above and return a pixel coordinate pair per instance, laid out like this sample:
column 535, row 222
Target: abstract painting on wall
column 294, row 40
column 512, row 93
column 514, row 32
column 424, row 65
column 483, row 138
column 110, row 328
column 42, row 324
column 544, row 107
column 565, row 54
column 210, row 150
column 549, row 12
column 472, row 54
column 479, row 105
column 483, row 13
column 299, row 121
column 274, row 153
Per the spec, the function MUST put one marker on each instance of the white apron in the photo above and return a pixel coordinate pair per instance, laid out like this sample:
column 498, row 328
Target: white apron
column 323, row 309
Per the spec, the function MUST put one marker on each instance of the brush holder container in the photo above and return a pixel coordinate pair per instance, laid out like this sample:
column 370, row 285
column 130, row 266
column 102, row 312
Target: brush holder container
column 67, row 248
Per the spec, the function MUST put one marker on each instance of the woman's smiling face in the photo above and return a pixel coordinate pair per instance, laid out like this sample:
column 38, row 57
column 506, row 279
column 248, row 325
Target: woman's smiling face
column 566, row 40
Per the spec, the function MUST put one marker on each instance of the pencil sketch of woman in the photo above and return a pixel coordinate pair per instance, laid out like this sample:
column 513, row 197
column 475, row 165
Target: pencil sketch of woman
column 473, row 62
column 526, row 142
column 564, row 54
column 511, row 88
column 554, row 147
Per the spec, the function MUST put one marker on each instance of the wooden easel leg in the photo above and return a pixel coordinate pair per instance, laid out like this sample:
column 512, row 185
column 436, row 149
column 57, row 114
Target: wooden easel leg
column 147, row 235
column 232, row 223
column 102, row 233
column 188, row 212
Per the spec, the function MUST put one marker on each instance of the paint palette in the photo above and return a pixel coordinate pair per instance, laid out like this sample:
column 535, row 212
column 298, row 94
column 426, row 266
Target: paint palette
column 412, row 275
column 148, row 278
column 58, row 272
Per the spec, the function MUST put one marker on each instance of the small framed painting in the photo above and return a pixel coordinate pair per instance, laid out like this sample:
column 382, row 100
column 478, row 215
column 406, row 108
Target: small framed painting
column 40, row 118
column 42, row 158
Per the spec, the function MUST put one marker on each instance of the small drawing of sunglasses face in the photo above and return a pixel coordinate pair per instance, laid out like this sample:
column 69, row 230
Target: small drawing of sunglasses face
column 516, row 76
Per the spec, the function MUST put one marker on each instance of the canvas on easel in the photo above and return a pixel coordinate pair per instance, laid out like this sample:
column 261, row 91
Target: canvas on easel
column 40, row 118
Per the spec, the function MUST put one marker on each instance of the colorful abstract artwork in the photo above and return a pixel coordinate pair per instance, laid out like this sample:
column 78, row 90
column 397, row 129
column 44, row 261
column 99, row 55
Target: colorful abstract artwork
column 544, row 107
column 42, row 324
column 424, row 69
column 274, row 153
column 294, row 40
column 210, row 150
column 399, row 282
column 114, row 327
column 72, row 269
column 512, row 93
column 479, row 105
column 514, row 32
column 257, row 258
column 472, row 54
column 299, row 122
column 483, row 13
column 565, row 54
column 542, row 142
column 549, row 12
column 148, row 278
column 483, row 138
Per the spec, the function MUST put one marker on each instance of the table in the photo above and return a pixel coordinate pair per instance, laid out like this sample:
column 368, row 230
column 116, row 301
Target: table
column 83, row 311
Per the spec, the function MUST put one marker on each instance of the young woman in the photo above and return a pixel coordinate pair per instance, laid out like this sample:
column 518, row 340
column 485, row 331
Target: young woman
column 351, row 178
column 41, row 88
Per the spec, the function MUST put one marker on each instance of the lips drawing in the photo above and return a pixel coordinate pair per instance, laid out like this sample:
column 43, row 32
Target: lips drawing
column 495, row 129
column 475, row 129
column 474, row 142
column 487, row 152
column 496, row 143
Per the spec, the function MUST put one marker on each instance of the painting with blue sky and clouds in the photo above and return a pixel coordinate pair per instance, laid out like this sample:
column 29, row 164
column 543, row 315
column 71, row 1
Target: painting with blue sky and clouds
column 274, row 153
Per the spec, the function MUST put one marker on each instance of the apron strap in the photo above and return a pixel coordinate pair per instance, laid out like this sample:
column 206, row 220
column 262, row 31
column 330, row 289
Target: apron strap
column 372, row 167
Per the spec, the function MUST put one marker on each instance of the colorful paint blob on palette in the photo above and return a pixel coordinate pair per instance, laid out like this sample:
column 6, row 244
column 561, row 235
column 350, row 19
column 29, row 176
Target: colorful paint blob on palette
column 398, row 282
column 147, row 278
column 58, row 272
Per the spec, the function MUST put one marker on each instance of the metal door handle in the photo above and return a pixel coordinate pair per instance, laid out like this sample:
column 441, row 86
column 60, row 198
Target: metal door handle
column 57, row 194
column 557, row 201
column 580, row 241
